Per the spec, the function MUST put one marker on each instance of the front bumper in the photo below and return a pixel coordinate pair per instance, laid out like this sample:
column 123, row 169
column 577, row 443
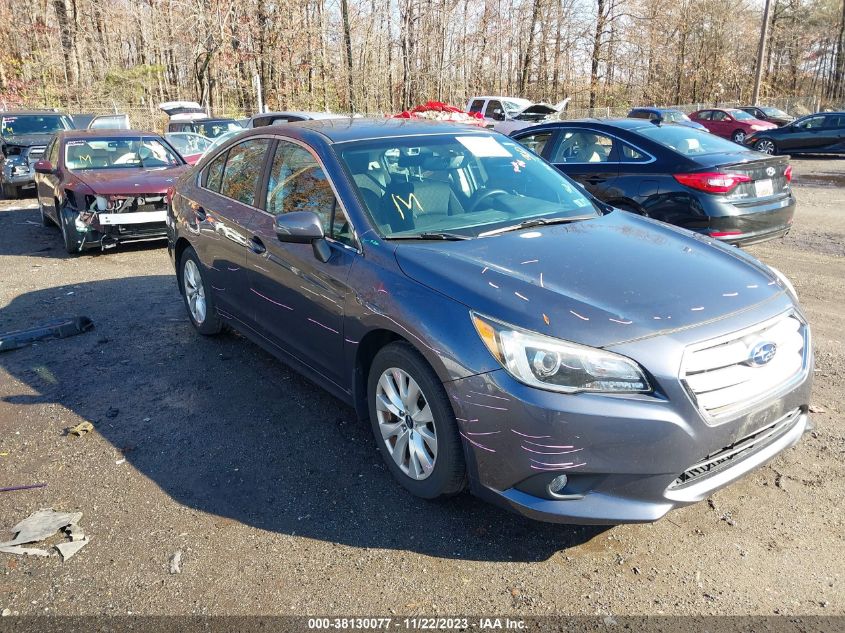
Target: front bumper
column 14, row 174
column 624, row 455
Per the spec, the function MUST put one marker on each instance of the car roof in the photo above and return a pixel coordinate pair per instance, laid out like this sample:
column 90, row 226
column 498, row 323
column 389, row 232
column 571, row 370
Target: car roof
column 302, row 113
column 349, row 129
column 94, row 134
column 32, row 113
column 655, row 109
column 609, row 124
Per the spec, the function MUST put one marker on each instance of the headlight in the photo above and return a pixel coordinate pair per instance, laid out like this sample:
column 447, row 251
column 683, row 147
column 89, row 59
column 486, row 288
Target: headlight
column 785, row 282
column 556, row 365
column 757, row 128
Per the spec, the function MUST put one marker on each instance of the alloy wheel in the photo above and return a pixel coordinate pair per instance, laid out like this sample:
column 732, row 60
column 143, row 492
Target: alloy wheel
column 194, row 291
column 406, row 423
column 766, row 146
column 739, row 137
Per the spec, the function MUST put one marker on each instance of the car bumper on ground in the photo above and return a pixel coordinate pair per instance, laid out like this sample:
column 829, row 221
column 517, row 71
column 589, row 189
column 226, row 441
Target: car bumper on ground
column 629, row 458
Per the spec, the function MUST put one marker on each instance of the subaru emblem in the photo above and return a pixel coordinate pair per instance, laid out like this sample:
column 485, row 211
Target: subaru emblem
column 770, row 171
column 762, row 353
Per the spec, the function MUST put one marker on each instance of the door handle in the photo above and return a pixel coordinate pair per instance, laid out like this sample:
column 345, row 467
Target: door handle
column 256, row 245
column 200, row 213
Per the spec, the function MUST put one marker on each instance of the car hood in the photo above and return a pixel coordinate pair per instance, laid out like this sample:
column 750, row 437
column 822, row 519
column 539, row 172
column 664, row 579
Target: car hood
column 760, row 122
column 28, row 140
column 130, row 180
column 596, row 282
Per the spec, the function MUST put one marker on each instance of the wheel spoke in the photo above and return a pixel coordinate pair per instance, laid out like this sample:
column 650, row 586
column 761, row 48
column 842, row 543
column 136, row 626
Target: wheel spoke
column 423, row 416
column 389, row 390
column 389, row 430
column 400, row 448
column 415, row 469
column 383, row 404
column 412, row 396
column 428, row 438
column 426, row 462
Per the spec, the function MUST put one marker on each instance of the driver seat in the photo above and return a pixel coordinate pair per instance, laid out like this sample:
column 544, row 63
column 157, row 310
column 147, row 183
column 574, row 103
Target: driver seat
column 417, row 204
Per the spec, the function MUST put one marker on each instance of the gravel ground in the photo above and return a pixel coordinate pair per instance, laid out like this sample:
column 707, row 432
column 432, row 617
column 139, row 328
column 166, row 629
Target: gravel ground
column 278, row 501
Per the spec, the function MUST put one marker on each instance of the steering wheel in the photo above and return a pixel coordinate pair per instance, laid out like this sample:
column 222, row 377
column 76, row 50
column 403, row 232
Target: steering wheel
column 483, row 195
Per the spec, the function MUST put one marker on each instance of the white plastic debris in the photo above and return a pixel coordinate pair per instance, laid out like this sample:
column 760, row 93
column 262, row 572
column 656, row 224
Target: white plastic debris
column 176, row 562
column 69, row 549
column 42, row 525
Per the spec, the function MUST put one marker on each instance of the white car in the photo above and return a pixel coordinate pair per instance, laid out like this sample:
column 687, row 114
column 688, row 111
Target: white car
column 508, row 114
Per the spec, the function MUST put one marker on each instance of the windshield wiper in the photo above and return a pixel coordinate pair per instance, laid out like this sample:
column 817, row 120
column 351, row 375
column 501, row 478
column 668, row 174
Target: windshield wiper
column 527, row 224
column 430, row 236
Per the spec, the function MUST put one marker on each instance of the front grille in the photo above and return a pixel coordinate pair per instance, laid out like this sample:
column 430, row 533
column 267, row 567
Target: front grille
column 35, row 153
column 729, row 455
column 723, row 377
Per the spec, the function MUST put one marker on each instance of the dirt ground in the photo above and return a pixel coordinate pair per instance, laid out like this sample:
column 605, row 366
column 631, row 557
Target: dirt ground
column 277, row 498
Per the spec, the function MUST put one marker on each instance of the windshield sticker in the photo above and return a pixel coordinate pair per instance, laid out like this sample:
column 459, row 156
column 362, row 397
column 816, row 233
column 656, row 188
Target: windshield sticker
column 517, row 165
column 581, row 202
column 484, row 146
column 74, row 143
column 523, row 152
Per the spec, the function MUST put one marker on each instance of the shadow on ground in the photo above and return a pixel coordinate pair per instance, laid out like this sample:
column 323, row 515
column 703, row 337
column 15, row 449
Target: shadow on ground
column 223, row 427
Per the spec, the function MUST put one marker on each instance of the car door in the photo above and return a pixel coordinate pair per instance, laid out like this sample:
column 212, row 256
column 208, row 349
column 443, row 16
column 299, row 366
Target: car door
column 224, row 206
column 721, row 124
column 47, row 184
column 587, row 156
column 298, row 300
column 834, row 127
column 494, row 111
column 806, row 135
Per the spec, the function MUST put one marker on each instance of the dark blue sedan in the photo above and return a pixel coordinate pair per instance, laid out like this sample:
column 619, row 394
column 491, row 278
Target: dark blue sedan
column 500, row 328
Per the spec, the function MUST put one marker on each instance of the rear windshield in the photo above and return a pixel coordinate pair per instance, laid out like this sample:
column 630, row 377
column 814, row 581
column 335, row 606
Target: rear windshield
column 774, row 112
column 688, row 141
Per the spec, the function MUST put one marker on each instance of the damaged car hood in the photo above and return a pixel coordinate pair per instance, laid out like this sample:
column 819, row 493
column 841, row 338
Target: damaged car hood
column 131, row 179
column 596, row 282
column 27, row 140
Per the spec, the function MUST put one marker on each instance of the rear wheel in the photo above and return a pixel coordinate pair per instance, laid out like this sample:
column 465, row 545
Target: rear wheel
column 198, row 301
column 738, row 137
column 767, row 146
column 70, row 234
column 414, row 424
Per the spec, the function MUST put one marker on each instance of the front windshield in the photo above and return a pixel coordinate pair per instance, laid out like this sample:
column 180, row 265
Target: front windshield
column 774, row 112
column 34, row 124
column 741, row 115
column 119, row 153
column 689, row 141
column 464, row 184
column 189, row 144
column 220, row 140
column 213, row 129
column 677, row 115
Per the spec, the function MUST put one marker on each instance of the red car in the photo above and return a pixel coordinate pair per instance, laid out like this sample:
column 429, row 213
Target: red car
column 105, row 187
column 730, row 123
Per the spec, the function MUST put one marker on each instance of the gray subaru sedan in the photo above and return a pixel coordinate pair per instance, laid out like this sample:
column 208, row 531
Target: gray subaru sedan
column 500, row 329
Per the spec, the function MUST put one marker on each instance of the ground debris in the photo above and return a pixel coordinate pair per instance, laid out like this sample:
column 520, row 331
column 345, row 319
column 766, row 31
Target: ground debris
column 60, row 328
column 814, row 408
column 42, row 525
column 176, row 562
column 81, row 428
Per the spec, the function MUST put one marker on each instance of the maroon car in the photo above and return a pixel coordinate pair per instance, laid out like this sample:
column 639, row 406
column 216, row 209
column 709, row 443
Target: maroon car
column 730, row 123
column 105, row 187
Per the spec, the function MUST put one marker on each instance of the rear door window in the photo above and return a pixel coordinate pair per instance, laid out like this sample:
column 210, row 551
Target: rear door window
column 631, row 155
column 536, row 142
column 477, row 105
column 243, row 170
column 706, row 115
column 583, row 146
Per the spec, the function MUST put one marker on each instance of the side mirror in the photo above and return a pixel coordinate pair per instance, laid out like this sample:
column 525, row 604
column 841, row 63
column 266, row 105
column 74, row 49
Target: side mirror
column 44, row 167
column 498, row 115
column 303, row 227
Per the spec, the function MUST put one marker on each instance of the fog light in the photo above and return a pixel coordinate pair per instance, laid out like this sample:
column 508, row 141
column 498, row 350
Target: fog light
column 557, row 484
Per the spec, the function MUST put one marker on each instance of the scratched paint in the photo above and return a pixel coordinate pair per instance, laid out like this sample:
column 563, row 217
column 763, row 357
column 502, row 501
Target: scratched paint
column 326, row 327
column 474, row 443
column 533, row 437
column 583, row 318
column 282, row 305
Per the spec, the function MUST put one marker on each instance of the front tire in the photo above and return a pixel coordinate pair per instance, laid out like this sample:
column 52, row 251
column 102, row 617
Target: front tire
column 46, row 220
column 11, row 192
column 199, row 302
column 738, row 137
column 413, row 423
column 71, row 236
column 767, row 146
